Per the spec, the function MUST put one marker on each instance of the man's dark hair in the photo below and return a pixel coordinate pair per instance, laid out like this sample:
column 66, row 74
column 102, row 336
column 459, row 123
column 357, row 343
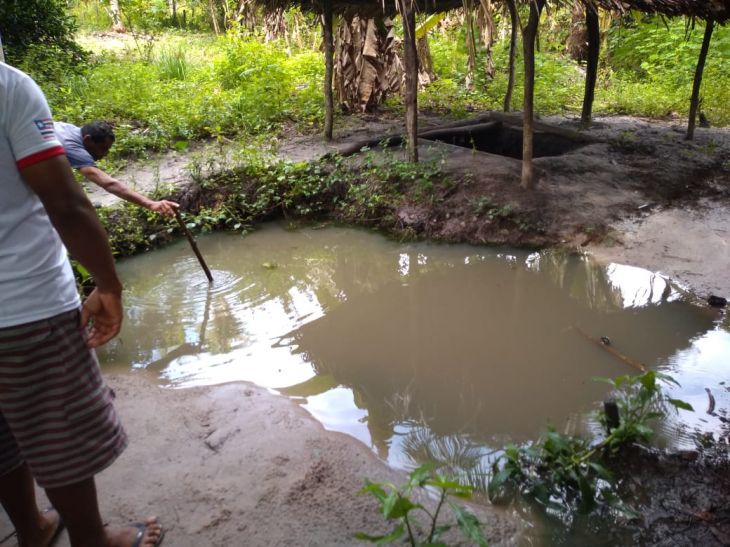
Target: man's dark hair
column 98, row 131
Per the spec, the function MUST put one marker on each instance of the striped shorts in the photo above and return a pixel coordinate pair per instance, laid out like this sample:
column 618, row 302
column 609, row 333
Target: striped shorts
column 56, row 412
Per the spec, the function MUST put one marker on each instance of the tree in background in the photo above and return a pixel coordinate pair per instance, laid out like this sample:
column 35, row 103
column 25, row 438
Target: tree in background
column 38, row 38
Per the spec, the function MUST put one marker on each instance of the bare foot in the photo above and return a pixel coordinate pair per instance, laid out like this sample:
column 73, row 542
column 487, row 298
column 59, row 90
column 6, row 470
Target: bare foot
column 49, row 525
column 147, row 534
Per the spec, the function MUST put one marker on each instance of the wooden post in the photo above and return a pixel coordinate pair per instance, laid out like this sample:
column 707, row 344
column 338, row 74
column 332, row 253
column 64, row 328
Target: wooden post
column 594, row 49
column 695, row 100
column 529, row 33
column 613, row 418
column 408, row 13
column 514, row 19
column 329, row 53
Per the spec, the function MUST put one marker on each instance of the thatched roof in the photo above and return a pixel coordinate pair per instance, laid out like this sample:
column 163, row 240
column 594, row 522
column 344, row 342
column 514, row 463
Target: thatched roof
column 363, row 7
column 719, row 10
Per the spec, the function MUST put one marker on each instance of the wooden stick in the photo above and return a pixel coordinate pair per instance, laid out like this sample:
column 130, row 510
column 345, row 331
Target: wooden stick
column 193, row 245
column 613, row 351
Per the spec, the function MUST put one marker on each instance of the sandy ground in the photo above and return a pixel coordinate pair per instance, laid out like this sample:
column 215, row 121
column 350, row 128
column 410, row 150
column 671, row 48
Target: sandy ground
column 691, row 246
column 235, row 465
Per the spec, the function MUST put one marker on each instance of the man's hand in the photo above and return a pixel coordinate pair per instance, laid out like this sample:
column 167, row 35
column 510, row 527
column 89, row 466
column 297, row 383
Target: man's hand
column 104, row 309
column 121, row 190
column 164, row 207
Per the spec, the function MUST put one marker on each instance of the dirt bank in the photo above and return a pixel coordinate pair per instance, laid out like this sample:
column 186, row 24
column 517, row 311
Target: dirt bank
column 638, row 194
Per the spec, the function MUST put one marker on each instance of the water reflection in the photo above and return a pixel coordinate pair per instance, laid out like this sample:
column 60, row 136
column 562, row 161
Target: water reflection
column 483, row 349
column 421, row 351
column 614, row 287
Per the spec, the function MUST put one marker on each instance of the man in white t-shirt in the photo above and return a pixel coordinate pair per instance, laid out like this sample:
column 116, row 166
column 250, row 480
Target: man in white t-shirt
column 57, row 422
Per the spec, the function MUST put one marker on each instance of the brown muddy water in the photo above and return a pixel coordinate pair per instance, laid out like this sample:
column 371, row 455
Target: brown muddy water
column 422, row 351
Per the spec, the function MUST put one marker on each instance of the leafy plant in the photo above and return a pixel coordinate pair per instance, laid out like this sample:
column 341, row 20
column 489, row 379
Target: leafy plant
column 492, row 210
column 397, row 505
column 565, row 473
column 640, row 399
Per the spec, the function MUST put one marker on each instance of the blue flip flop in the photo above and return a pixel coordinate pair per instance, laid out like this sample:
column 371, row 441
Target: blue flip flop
column 141, row 527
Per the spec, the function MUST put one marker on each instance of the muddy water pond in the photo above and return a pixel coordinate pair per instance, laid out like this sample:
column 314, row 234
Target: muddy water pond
column 421, row 351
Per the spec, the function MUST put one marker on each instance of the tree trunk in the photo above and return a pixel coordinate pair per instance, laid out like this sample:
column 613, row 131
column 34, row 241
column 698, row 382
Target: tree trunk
column 275, row 25
column 116, row 15
column 594, row 50
column 514, row 21
column 246, row 15
column 695, row 100
column 529, row 33
column 426, row 75
column 408, row 14
column 329, row 53
column 486, row 24
column 214, row 16
column 471, row 45
column 173, row 12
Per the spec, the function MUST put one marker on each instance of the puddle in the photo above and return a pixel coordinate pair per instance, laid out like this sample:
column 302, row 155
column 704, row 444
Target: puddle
column 421, row 351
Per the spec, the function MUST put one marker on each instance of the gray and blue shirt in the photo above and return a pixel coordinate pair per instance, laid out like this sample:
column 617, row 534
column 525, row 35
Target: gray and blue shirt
column 73, row 143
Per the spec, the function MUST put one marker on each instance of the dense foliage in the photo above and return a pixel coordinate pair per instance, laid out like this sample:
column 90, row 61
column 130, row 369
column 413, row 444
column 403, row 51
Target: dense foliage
column 164, row 86
column 37, row 36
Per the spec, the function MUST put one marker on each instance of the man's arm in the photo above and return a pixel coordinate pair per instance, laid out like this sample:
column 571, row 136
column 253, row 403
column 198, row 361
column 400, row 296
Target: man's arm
column 119, row 189
column 75, row 220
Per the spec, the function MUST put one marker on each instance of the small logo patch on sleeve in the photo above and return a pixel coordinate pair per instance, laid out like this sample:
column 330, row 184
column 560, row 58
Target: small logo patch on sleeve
column 45, row 127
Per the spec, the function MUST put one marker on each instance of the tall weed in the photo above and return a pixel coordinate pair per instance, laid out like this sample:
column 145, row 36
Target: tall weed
column 172, row 64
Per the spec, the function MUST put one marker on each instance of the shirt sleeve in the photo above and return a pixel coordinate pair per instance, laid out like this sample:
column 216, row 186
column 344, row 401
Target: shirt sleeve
column 30, row 127
column 78, row 157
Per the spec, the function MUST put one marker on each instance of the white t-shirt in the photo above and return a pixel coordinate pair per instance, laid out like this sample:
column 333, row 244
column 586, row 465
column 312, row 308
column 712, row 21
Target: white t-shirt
column 36, row 281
